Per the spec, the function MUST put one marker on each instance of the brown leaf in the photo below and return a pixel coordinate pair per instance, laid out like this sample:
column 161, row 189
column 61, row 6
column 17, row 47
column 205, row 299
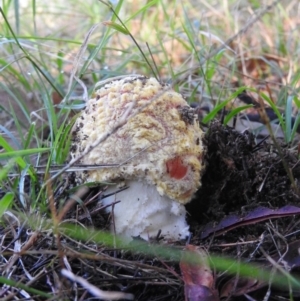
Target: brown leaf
column 257, row 215
column 199, row 281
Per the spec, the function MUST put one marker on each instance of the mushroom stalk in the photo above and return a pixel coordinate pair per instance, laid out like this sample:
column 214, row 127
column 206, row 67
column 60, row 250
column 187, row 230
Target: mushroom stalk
column 141, row 211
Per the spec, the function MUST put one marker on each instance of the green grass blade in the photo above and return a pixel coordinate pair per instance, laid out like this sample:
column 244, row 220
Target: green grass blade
column 4, row 170
column 235, row 112
column 23, row 152
column 27, row 55
column 63, row 143
column 220, row 263
column 22, row 183
column 142, row 10
column 116, row 27
column 288, row 119
column 9, row 135
column 211, row 115
column 6, row 202
column 25, row 287
column 11, row 153
column 34, row 38
column 11, row 70
column 9, row 150
column 17, row 15
column 34, row 14
column 297, row 119
column 29, row 135
column 274, row 107
column 103, row 41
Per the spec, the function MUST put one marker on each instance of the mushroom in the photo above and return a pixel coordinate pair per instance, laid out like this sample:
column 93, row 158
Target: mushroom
column 158, row 152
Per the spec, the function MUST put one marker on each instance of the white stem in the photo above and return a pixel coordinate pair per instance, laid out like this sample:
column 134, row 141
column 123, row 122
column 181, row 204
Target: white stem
column 143, row 212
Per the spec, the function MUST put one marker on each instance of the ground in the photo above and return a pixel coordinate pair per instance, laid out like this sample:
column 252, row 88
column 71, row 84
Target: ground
column 247, row 207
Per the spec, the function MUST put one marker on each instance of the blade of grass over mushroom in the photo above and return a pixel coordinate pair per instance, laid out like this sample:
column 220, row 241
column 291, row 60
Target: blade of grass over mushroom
column 108, row 80
column 281, row 279
column 220, row 263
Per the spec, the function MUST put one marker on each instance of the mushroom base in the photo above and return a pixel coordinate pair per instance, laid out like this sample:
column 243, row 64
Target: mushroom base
column 142, row 212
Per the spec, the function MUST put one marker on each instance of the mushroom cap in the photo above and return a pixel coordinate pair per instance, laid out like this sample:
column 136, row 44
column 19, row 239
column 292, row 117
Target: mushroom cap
column 161, row 142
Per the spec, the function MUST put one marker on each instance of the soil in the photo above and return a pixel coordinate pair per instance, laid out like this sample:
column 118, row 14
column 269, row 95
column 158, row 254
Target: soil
column 242, row 175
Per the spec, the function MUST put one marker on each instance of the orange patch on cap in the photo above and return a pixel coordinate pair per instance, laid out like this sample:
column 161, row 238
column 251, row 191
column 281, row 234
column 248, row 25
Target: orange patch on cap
column 176, row 169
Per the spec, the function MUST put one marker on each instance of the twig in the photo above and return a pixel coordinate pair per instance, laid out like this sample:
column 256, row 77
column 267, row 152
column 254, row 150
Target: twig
column 95, row 291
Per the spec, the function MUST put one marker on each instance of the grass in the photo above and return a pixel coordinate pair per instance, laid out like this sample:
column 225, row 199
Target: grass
column 52, row 54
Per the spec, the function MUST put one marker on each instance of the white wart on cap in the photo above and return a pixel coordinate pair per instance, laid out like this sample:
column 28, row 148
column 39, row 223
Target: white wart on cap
column 161, row 145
